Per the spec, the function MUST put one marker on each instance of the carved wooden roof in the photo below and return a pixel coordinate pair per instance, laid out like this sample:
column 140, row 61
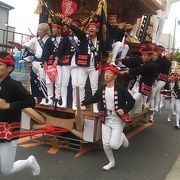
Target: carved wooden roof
column 128, row 10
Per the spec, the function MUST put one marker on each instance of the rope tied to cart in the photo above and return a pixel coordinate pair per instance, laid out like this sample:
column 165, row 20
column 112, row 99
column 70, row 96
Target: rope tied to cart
column 46, row 130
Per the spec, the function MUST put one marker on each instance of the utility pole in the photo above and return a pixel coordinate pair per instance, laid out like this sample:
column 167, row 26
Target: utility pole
column 174, row 39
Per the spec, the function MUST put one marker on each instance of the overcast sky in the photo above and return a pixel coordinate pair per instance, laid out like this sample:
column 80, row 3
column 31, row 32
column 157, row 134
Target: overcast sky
column 23, row 17
column 170, row 22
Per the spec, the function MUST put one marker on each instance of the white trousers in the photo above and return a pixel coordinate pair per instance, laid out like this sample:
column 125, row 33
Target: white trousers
column 83, row 74
column 118, row 47
column 155, row 98
column 39, row 70
column 177, row 104
column 7, row 158
column 41, row 77
column 139, row 100
column 173, row 104
column 67, row 72
column 170, row 104
column 112, row 135
column 58, row 81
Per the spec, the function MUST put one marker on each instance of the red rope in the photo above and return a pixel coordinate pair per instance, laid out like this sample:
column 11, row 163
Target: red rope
column 48, row 130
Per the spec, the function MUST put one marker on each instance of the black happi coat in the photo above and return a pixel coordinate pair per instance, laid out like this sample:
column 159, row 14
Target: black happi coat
column 49, row 50
column 122, row 99
column 83, row 54
column 176, row 89
column 164, row 65
column 164, row 68
column 116, row 33
column 147, row 70
column 14, row 93
column 65, row 51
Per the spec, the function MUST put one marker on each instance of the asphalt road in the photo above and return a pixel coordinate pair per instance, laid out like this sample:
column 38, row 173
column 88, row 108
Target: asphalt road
column 150, row 156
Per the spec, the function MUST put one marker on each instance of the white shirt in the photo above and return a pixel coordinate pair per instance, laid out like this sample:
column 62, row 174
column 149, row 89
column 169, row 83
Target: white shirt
column 92, row 54
column 73, row 61
column 58, row 39
column 34, row 45
column 109, row 97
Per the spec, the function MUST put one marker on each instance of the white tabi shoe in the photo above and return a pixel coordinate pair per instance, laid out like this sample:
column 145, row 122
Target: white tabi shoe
column 109, row 166
column 50, row 102
column 43, row 101
column 74, row 107
column 125, row 141
column 34, row 165
column 83, row 108
column 152, row 109
column 58, row 105
column 156, row 109
column 95, row 108
column 58, row 102
column 63, row 106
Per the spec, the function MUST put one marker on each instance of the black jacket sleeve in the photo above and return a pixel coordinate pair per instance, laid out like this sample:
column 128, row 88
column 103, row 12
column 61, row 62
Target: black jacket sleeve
column 21, row 98
column 130, row 101
column 94, row 99
column 132, row 62
column 80, row 34
column 141, row 70
column 47, row 50
column 60, row 51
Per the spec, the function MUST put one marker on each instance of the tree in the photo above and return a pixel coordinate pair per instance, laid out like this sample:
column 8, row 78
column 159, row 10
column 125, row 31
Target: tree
column 176, row 56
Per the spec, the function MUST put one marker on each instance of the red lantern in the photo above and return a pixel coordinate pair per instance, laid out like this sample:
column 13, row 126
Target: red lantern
column 68, row 7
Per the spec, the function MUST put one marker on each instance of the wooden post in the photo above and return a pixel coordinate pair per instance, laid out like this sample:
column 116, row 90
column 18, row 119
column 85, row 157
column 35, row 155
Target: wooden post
column 79, row 116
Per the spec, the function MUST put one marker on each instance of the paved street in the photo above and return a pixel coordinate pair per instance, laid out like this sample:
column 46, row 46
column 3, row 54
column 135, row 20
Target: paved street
column 150, row 156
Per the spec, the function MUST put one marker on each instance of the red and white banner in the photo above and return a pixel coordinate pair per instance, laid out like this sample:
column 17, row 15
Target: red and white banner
column 68, row 7
column 51, row 71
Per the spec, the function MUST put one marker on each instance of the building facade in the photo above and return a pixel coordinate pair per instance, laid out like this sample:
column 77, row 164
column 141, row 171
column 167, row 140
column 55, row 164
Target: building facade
column 6, row 31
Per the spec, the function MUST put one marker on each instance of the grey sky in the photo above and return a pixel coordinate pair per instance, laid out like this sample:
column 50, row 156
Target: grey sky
column 23, row 17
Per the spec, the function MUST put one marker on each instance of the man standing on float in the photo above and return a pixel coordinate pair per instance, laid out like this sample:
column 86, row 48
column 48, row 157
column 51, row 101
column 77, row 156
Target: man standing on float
column 67, row 57
column 89, row 58
column 117, row 34
column 48, row 58
column 36, row 45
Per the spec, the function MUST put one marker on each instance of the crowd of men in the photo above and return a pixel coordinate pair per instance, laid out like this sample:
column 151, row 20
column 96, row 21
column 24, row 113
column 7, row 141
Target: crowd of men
column 68, row 52
column 78, row 54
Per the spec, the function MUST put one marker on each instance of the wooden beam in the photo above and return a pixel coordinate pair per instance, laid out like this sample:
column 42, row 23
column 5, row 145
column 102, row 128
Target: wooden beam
column 87, row 112
column 34, row 115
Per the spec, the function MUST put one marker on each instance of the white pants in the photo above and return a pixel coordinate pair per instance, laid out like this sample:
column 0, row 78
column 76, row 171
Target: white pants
column 39, row 70
column 112, row 135
column 139, row 99
column 177, row 103
column 83, row 74
column 58, row 81
column 41, row 78
column 155, row 98
column 173, row 104
column 7, row 158
column 118, row 47
column 170, row 104
column 68, row 71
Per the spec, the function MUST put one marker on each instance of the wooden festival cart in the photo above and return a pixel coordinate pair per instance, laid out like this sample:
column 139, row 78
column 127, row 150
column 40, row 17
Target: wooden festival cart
column 83, row 129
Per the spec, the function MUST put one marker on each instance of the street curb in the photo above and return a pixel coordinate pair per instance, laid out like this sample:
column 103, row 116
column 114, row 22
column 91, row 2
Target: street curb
column 174, row 173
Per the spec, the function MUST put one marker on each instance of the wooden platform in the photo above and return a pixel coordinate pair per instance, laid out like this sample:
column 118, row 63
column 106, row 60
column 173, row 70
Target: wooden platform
column 88, row 113
column 141, row 116
column 76, row 138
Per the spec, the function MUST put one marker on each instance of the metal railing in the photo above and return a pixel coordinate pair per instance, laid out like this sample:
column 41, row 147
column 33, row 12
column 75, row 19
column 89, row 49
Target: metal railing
column 8, row 35
column 21, row 70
